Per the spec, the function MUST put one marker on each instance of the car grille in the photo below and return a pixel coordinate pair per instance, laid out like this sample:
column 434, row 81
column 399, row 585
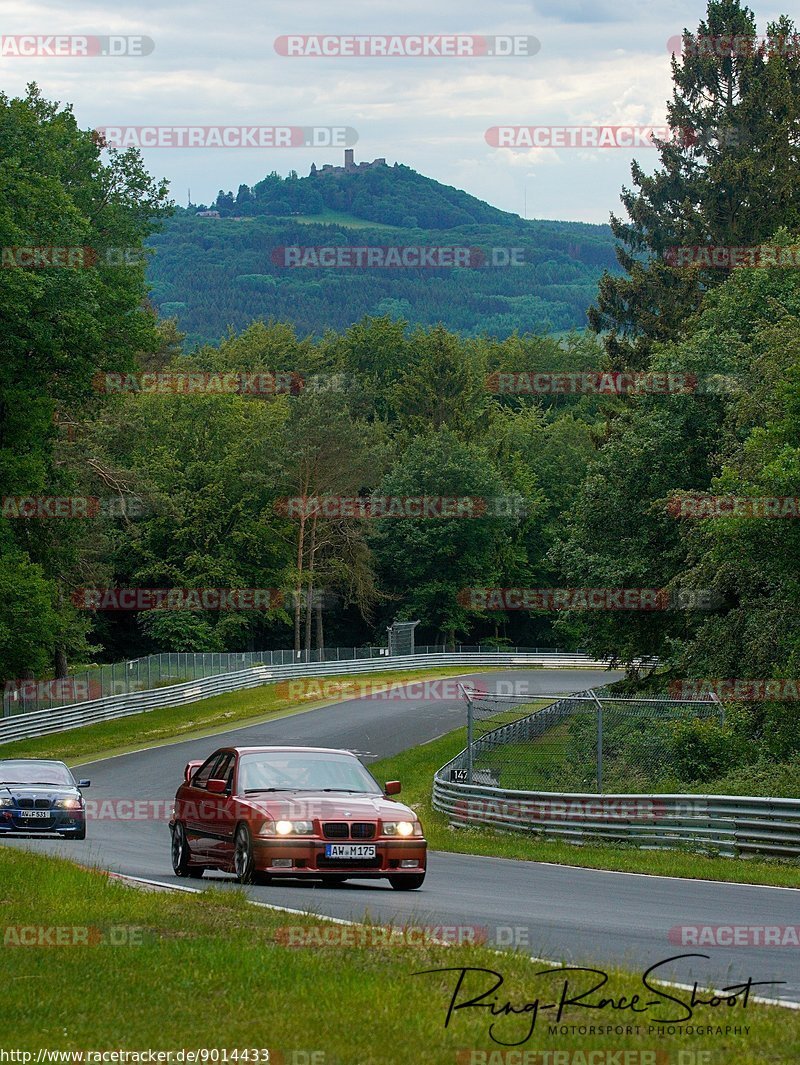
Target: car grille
column 30, row 804
column 362, row 830
column 335, row 830
column 343, row 830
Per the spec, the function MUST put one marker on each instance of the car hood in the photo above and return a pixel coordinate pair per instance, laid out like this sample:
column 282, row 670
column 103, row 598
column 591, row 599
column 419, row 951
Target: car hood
column 39, row 791
column 328, row 807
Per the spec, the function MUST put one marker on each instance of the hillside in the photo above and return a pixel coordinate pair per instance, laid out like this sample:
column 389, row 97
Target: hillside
column 227, row 266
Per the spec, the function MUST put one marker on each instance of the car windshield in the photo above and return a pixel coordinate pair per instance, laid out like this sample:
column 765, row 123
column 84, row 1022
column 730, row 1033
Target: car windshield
column 304, row 771
column 24, row 771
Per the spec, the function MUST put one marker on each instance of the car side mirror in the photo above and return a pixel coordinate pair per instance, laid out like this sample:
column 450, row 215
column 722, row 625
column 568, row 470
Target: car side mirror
column 217, row 786
column 84, row 783
column 188, row 771
column 392, row 787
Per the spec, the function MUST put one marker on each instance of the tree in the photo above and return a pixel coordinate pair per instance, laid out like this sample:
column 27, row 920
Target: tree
column 727, row 178
column 59, row 325
column 425, row 563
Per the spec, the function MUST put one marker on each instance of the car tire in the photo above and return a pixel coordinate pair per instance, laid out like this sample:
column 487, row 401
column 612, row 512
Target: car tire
column 81, row 833
column 180, row 854
column 407, row 883
column 244, row 862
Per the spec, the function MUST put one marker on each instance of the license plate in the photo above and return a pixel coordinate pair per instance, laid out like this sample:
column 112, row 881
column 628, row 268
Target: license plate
column 350, row 850
column 34, row 813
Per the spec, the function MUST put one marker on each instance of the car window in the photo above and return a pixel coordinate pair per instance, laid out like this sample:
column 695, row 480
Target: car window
column 204, row 773
column 32, row 771
column 223, row 770
column 304, row 771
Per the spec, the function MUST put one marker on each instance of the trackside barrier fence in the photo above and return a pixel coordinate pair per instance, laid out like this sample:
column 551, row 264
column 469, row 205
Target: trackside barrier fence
column 44, row 722
column 731, row 825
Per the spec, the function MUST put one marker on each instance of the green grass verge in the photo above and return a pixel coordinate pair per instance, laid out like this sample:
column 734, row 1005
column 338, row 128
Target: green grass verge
column 168, row 971
column 415, row 769
column 203, row 718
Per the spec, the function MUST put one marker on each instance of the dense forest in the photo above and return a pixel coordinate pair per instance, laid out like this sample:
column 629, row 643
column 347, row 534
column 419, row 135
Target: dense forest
column 215, row 274
column 393, row 408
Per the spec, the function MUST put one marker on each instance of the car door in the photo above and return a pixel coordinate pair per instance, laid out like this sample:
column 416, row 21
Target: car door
column 221, row 815
column 199, row 825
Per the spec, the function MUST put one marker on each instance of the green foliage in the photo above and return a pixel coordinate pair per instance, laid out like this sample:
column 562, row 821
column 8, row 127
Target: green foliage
column 727, row 179
column 180, row 630
column 60, row 325
column 228, row 273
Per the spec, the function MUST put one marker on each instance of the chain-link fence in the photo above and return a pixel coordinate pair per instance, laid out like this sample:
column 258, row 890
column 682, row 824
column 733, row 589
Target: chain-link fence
column 156, row 671
column 591, row 740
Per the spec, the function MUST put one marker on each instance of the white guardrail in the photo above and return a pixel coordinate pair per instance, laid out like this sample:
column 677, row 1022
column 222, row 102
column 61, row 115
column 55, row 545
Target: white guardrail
column 730, row 825
column 44, row 722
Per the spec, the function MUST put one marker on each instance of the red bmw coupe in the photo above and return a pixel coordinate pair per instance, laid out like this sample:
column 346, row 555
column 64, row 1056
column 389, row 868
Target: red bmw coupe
column 300, row 812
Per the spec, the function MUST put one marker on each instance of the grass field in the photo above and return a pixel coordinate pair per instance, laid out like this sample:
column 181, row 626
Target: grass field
column 341, row 218
column 415, row 768
column 139, row 970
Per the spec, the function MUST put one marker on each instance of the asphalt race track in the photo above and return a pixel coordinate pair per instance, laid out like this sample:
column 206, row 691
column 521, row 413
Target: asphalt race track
column 579, row 916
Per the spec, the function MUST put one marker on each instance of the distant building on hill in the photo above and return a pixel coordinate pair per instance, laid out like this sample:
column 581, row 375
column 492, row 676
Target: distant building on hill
column 208, row 214
column 350, row 166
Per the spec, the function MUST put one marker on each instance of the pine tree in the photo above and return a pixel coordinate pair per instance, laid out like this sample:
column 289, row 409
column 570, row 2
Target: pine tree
column 728, row 177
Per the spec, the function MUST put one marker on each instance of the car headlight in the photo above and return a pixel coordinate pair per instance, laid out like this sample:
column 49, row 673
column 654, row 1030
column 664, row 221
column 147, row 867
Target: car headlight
column 68, row 804
column 287, row 828
column 402, row 828
column 6, row 802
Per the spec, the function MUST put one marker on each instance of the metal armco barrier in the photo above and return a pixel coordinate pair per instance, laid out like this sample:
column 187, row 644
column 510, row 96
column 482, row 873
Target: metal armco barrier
column 730, row 825
column 44, row 722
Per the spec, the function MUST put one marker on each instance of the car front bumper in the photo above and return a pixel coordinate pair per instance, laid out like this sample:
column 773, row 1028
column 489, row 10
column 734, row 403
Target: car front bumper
column 307, row 858
column 59, row 822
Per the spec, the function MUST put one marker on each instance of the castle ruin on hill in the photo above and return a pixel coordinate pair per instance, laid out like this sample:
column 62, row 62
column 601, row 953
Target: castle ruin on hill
column 350, row 166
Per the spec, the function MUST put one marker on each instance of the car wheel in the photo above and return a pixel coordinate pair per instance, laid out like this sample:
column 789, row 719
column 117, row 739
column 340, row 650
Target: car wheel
column 407, row 883
column 244, row 863
column 81, row 833
column 180, row 854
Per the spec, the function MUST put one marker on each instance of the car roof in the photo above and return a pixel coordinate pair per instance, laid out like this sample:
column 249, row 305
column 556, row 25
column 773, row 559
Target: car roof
column 34, row 761
column 282, row 748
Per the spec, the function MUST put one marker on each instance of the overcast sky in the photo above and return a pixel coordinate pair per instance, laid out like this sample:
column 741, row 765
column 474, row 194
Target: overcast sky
column 601, row 62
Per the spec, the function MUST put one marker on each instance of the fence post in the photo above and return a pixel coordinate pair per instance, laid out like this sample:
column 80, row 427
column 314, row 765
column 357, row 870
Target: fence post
column 469, row 736
column 599, row 742
column 716, row 699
